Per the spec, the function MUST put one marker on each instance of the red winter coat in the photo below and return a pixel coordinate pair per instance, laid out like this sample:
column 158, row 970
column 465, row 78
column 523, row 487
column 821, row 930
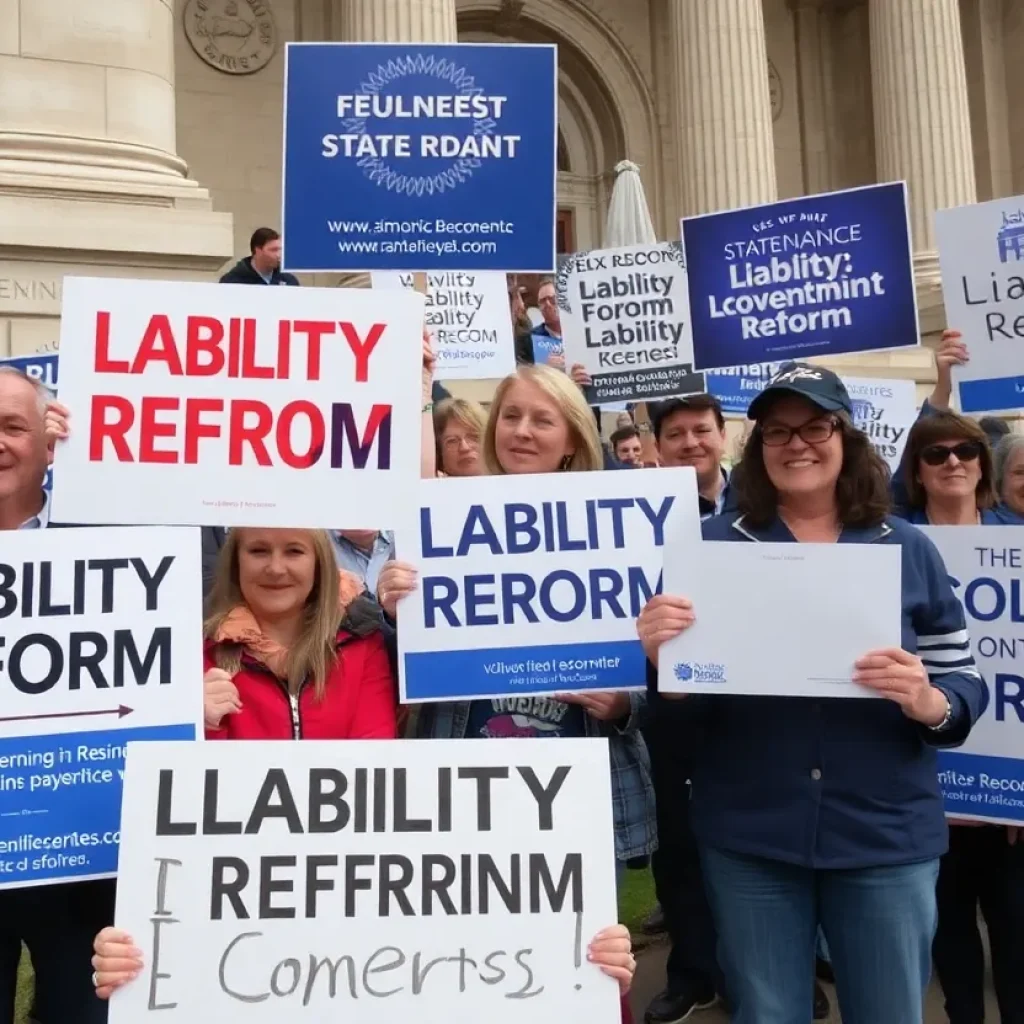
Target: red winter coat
column 358, row 701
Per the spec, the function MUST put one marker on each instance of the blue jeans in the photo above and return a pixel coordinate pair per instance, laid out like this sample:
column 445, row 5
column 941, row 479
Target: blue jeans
column 878, row 923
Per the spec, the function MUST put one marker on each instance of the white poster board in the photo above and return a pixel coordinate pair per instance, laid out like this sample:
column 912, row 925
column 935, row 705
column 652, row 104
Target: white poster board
column 468, row 319
column 532, row 584
column 209, row 404
column 367, row 881
column 744, row 598
column 885, row 410
column 981, row 254
column 984, row 778
column 625, row 317
column 101, row 635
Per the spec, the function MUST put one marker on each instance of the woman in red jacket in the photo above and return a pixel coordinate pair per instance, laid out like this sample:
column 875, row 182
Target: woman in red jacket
column 293, row 647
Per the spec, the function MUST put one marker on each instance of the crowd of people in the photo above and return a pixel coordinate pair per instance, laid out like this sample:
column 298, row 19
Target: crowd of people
column 787, row 836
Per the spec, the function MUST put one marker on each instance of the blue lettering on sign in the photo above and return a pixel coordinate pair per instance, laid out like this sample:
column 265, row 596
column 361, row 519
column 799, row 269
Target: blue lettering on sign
column 700, row 672
column 420, row 157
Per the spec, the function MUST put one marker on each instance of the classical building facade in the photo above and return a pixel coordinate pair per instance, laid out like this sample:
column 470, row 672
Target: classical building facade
column 143, row 137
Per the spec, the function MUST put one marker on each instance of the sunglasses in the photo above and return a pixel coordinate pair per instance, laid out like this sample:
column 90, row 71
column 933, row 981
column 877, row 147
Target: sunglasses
column 937, row 454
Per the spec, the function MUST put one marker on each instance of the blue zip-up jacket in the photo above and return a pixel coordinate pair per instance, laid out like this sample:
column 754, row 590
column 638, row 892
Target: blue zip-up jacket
column 836, row 783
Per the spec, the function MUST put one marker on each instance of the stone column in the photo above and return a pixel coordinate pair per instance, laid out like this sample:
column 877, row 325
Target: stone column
column 922, row 124
column 90, row 181
column 727, row 156
column 814, row 86
column 399, row 21
column 395, row 21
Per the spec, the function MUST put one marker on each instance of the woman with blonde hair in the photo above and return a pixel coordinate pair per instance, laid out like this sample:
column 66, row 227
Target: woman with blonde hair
column 459, row 426
column 539, row 422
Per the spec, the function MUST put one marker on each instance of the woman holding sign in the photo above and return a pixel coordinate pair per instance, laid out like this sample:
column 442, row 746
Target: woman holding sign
column 827, row 812
column 540, row 423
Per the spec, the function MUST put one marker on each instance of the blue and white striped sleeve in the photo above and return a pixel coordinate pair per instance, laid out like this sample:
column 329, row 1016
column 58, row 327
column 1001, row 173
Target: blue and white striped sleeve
column 944, row 646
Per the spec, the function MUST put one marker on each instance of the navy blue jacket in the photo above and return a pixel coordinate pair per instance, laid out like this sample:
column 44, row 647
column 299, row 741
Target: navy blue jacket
column 835, row 783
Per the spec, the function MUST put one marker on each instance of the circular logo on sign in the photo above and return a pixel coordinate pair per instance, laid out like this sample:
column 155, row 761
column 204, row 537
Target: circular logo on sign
column 235, row 36
column 391, row 79
column 775, row 90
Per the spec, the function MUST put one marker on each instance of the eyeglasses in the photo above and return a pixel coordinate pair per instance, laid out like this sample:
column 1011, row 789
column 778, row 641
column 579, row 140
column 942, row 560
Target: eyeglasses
column 937, row 454
column 775, row 435
column 454, row 442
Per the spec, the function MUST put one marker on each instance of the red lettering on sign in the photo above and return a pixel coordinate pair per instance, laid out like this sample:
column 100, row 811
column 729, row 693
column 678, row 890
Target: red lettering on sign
column 113, row 430
column 194, row 426
column 290, row 457
column 150, row 428
column 240, row 434
column 203, row 338
column 361, row 348
column 101, row 348
column 158, row 346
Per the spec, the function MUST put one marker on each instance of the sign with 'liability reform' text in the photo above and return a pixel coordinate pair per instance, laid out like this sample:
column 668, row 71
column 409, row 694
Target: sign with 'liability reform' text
column 981, row 252
column 984, row 778
column 419, row 156
column 468, row 321
column 209, row 404
column 99, row 632
column 532, row 584
column 814, row 276
column 368, row 882
column 625, row 317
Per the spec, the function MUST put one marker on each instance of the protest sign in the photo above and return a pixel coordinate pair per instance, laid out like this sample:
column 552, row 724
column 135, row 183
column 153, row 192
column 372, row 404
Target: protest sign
column 532, row 584
column 776, row 578
column 736, row 387
column 207, row 404
column 99, row 650
column 626, row 320
column 419, row 156
column 367, row 881
column 885, row 410
column 814, row 276
column 469, row 323
column 43, row 368
column 981, row 254
column 984, row 778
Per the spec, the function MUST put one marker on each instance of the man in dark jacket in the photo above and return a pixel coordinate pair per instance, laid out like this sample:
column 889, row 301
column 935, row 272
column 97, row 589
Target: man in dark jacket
column 263, row 266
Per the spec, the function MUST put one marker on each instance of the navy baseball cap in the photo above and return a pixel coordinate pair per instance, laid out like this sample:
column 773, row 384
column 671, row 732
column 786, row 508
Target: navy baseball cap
column 817, row 385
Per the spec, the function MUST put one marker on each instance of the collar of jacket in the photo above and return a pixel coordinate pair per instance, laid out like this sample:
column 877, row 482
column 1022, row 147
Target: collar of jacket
column 778, row 532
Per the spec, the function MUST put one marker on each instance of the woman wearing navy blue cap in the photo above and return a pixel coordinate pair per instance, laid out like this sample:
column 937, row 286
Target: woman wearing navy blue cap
column 827, row 812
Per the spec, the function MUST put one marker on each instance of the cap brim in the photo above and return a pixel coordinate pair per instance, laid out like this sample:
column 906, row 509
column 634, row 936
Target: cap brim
column 758, row 405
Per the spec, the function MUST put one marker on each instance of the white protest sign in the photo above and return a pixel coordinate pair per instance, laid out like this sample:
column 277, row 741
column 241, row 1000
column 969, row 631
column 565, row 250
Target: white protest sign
column 625, row 317
column 206, row 404
column 468, row 319
column 754, row 587
column 532, row 584
column 984, row 778
column 101, row 633
column 885, row 410
column 981, row 253
column 367, row 881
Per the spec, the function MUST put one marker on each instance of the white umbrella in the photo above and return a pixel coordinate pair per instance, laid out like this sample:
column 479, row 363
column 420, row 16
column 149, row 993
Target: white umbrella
column 629, row 220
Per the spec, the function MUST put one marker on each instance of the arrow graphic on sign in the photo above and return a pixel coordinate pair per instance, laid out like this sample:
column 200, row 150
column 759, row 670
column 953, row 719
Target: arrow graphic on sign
column 120, row 711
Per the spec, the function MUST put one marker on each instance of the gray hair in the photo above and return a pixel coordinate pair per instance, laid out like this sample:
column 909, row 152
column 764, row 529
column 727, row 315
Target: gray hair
column 43, row 394
column 1008, row 444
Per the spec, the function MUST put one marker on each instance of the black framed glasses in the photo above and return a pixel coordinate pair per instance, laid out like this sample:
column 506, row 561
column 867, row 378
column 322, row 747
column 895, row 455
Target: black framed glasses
column 937, row 454
column 818, row 431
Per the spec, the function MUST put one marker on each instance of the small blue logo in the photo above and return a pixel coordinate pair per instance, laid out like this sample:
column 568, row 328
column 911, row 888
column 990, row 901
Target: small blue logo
column 694, row 672
column 1010, row 238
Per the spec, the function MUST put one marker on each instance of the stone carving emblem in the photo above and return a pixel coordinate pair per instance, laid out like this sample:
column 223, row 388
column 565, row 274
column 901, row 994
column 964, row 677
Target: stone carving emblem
column 775, row 90
column 234, row 36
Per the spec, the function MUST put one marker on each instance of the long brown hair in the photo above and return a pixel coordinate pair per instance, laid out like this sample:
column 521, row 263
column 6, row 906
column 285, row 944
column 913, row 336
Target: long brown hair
column 314, row 653
column 945, row 425
column 862, row 490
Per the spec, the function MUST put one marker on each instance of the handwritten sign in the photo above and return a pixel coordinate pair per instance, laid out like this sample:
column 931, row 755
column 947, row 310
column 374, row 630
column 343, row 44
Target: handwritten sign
column 99, row 631
column 367, row 881
column 204, row 404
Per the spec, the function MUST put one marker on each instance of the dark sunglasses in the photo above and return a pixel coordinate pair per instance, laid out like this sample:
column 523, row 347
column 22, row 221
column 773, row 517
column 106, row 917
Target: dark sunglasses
column 937, row 454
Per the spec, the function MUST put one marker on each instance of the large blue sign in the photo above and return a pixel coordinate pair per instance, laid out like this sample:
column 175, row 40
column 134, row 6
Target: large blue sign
column 820, row 275
column 419, row 157
column 42, row 368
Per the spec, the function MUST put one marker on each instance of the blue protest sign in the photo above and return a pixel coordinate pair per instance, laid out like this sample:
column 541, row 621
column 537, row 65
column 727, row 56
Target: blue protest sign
column 814, row 276
column 42, row 368
column 100, row 649
column 736, row 387
column 420, row 157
